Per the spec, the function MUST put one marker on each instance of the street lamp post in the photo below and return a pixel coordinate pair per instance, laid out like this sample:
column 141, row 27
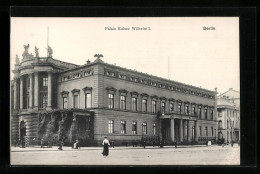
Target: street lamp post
column 216, row 136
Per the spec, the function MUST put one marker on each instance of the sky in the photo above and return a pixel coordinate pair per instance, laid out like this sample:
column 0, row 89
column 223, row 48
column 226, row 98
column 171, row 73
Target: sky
column 175, row 47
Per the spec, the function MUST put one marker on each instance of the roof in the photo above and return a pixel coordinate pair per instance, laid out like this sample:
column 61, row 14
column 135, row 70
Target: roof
column 223, row 102
column 231, row 90
column 140, row 73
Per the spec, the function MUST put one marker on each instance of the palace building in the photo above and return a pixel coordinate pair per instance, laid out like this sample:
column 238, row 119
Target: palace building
column 54, row 100
column 228, row 108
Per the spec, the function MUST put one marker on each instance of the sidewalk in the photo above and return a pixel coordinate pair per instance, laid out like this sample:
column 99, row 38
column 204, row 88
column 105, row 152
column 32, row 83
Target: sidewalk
column 55, row 148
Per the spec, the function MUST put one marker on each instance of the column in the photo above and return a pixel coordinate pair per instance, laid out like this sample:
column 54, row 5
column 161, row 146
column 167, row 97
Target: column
column 181, row 130
column 160, row 129
column 49, row 89
column 15, row 94
column 184, row 130
column 188, row 130
column 36, row 89
column 195, row 131
column 172, row 129
column 21, row 92
column 31, row 92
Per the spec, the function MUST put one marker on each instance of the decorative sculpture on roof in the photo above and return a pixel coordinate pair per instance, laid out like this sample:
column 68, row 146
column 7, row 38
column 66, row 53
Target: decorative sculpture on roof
column 26, row 54
column 17, row 61
column 49, row 51
column 98, row 55
column 36, row 50
column 26, row 48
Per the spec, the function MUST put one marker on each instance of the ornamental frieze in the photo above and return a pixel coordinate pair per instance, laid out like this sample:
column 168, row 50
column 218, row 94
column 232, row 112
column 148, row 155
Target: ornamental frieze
column 158, row 84
column 77, row 74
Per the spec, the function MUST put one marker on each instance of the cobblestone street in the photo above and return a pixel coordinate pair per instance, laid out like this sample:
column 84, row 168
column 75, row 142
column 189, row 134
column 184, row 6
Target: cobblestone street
column 202, row 155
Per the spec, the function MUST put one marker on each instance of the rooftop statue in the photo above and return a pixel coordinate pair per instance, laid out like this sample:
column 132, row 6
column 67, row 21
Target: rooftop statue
column 98, row 55
column 36, row 50
column 49, row 51
column 25, row 53
column 17, row 61
column 26, row 48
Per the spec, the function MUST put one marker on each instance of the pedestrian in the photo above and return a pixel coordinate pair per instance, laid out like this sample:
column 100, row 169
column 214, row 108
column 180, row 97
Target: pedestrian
column 42, row 143
column 76, row 144
column 113, row 144
column 106, row 148
column 232, row 143
column 60, row 144
column 175, row 144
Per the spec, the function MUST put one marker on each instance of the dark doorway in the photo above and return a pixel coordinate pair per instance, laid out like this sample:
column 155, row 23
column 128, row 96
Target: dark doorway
column 22, row 133
column 166, row 130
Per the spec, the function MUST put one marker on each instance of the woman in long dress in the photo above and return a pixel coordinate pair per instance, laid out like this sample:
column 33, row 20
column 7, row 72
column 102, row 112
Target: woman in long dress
column 105, row 144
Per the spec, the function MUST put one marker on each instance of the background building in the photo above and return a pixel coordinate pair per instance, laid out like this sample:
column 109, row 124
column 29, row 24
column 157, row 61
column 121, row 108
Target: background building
column 55, row 100
column 228, row 106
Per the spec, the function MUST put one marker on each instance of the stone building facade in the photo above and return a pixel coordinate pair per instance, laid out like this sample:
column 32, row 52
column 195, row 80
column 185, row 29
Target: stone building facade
column 228, row 108
column 104, row 99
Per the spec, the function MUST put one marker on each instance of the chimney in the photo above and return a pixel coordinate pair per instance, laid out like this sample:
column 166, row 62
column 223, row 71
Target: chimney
column 88, row 62
column 216, row 89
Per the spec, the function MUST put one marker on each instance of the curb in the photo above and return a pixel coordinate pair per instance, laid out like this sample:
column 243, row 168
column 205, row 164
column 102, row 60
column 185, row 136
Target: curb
column 100, row 148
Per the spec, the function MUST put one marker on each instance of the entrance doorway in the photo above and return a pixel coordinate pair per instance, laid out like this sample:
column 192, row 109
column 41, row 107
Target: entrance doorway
column 22, row 133
column 166, row 130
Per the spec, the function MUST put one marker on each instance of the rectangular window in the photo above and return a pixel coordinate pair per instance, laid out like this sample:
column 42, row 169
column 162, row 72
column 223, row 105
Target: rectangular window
column 220, row 114
column 179, row 108
column 171, row 107
column 111, row 126
column 193, row 110
column 154, row 129
column 199, row 110
column 134, row 127
column 122, row 102
column 65, row 102
column 211, row 113
column 110, row 101
column 75, row 101
column 206, row 113
column 44, row 100
column 186, row 109
column 212, row 132
column 200, row 129
column 28, row 83
column 153, row 106
column 144, row 105
column 27, row 101
column 88, row 100
column 144, row 128
column 123, row 127
column 45, row 81
column 163, row 107
column 134, row 104
column 220, row 124
column 206, row 131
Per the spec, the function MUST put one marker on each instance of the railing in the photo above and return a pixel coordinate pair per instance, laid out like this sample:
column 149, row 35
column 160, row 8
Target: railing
column 42, row 109
column 184, row 113
column 43, row 60
column 204, row 140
